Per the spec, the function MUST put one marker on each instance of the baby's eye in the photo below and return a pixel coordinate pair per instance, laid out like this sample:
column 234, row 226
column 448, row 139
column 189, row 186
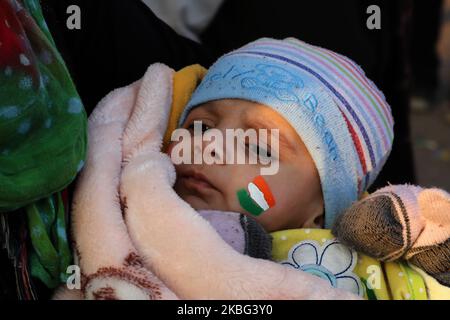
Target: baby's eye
column 204, row 127
column 259, row 150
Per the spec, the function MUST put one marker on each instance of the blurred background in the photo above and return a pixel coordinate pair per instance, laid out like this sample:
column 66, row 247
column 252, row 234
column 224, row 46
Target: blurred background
column 430, row 116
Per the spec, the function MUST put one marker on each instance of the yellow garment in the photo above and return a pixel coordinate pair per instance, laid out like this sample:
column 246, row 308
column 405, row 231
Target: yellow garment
column 184, row 83
column 378, row 280
column 436, row 291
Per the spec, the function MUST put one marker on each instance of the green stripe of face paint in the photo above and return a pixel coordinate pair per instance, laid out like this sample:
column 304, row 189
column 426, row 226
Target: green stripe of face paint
column 248, row 204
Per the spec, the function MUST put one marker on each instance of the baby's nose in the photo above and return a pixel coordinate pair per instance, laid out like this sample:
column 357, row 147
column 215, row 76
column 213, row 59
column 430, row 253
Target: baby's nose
column 213, row 151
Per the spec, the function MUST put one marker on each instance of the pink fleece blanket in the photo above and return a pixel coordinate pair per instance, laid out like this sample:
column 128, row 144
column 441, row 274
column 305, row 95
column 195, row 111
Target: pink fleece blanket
column 136, row 239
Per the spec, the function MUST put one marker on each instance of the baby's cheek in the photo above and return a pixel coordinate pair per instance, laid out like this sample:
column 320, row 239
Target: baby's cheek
column 271, row 219
column 235, row 179
column 283, row 202
column 286, row 212
column 257, row 196
column 232, row 197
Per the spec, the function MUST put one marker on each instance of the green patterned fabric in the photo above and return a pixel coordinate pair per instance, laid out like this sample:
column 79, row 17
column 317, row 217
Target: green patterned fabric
column 51, row 255
column 43, row 135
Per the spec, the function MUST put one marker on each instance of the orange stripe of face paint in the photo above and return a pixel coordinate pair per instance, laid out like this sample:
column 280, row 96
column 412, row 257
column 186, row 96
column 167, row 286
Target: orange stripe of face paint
column 264, row 187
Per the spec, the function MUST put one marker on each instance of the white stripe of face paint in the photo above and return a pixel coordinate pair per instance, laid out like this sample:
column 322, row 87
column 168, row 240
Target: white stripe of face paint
column 257, row 196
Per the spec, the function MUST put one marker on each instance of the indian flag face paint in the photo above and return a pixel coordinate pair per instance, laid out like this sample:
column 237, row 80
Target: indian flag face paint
column 257, row 198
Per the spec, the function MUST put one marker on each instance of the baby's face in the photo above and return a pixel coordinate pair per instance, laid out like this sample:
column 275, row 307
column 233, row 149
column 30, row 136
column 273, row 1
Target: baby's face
column 295, row 187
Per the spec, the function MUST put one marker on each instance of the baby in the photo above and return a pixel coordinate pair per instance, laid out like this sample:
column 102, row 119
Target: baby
column 334, row 132
column 216, row 186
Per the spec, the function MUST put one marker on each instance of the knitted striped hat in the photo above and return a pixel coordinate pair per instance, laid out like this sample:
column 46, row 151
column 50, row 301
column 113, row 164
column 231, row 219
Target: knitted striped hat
column 342, row 118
